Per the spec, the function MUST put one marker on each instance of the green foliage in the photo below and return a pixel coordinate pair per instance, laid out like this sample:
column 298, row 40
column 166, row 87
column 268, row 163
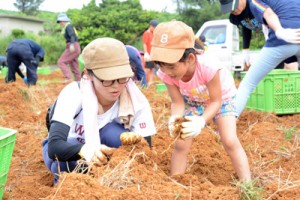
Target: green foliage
column 54, row 46
column 123, row 20
column 289, row 133
column 196, row 12
column 249, row 190
column 28, row 7
column 17, row 33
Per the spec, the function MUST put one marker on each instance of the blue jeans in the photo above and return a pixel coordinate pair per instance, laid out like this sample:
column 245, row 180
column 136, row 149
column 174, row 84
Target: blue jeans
column 268, row 59
column 110, row 136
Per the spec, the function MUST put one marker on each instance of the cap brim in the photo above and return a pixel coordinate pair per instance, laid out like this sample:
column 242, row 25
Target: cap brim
column 113, row 73
column 225, row 8
column 166, row 55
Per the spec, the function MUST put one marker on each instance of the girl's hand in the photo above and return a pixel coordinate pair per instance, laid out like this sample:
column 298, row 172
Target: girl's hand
column 171, row 125
column 192, row 127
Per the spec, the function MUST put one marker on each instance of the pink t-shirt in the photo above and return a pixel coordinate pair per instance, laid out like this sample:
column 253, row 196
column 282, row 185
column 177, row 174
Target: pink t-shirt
column 195, row 90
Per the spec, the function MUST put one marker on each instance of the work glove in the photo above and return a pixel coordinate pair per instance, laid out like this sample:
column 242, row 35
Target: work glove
column 246, row 57
column 265, row 30
column 147, row 57
column 99, row 156
column 102, row 156
column 192, row 127
column 25, row 80
column 289, row 35
column 72, row 48
column 171, row 125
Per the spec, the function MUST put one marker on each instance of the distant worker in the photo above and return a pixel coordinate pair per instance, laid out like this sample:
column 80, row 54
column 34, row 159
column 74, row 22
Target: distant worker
column 147, row 38
column 72, row 51
column 202, row 41
column 23, row 51
column 135, row 60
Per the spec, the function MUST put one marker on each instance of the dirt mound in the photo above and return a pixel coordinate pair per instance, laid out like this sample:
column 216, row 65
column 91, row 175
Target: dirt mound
column 136, row 172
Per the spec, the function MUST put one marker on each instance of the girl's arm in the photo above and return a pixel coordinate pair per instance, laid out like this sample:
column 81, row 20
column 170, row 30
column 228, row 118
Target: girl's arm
column 177, row 103
column 215, row 94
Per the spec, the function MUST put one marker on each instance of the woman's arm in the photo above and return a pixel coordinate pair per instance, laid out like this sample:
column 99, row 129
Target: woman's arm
column 286, row 34
column 58, row 147
column 272, row 19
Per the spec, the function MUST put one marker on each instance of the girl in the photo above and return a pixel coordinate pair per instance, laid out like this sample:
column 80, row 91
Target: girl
column 200, row 91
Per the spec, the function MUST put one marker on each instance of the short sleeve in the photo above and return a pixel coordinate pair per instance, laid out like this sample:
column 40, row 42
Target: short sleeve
column 258, row 8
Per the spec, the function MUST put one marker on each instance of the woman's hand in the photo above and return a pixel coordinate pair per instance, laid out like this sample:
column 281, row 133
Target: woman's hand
column 102, row 156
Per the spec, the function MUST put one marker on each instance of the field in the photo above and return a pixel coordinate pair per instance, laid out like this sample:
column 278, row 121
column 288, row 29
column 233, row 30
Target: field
column 136, row 172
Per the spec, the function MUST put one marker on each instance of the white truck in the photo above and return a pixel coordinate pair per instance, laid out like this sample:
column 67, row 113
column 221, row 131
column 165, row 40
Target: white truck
column 222, row 40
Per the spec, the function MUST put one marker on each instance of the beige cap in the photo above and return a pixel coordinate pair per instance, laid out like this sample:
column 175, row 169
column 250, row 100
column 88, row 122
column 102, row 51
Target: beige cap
column 108, row 59
column 170, row 39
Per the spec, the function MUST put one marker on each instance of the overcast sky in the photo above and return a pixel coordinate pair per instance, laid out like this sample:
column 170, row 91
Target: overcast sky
column 64, row 5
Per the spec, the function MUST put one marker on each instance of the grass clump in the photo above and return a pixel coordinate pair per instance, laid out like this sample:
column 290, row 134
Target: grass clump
column 248, row 189
column 289, row 133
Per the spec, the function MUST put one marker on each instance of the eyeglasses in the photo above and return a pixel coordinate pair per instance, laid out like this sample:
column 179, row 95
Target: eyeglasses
column 106, row 83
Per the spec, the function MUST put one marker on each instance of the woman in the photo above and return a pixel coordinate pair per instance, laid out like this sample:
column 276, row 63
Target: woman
column 87, row 121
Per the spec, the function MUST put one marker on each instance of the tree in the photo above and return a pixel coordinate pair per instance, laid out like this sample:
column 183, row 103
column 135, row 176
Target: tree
column 28, row 7
column 196, row 12
column 123, row 20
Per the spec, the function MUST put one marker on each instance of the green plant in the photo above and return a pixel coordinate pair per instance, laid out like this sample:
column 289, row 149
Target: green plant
column 24, row 93
column 248, row 189
column 18, row 33
column 289, row 132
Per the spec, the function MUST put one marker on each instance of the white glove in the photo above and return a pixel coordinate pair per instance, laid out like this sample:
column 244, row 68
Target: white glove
column 246, row 56
column 171, row 125
column 289, row 35
column 96, row 156
column 193, row 127
column 72, row 48
column 265, row 30
column 87, row 152
column 147, row 57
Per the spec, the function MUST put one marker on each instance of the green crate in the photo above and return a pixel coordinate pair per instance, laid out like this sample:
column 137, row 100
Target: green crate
column 44, row 70
column 278, row 92
column 161, row 87
column 4, row 71
column 80, row 63
column 7, row 143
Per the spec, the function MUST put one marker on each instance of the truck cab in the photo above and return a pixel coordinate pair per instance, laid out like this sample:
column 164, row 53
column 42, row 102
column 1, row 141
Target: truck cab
column 222, row 40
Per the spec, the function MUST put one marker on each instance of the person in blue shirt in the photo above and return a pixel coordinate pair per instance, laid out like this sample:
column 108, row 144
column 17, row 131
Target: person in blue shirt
column 136, row 63
column 283, row 22
column 248, row 23
column 23, row 51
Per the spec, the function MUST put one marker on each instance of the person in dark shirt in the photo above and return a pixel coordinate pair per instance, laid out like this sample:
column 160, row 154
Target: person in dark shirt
column 23, row 51
column 72, row 51
column 135, row 60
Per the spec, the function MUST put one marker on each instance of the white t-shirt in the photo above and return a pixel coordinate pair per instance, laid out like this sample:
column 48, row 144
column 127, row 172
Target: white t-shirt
column 69, row 104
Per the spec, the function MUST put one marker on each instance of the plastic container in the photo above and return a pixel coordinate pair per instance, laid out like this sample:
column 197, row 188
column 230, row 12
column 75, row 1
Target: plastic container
column 7, row 143
column 4, row 71
column 161, row 87
column 80, row 63
column 278, row 92
column 44, row 70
